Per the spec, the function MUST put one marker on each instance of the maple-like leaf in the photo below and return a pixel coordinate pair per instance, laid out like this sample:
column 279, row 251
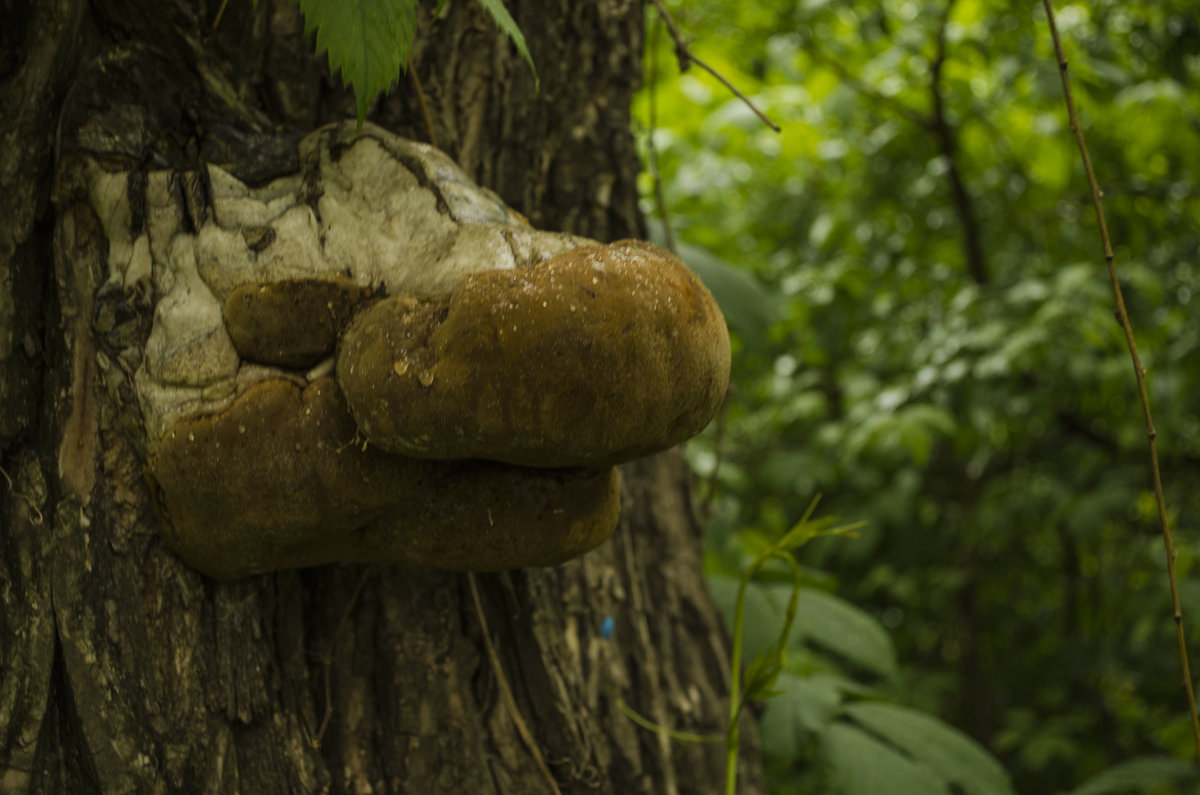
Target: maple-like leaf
column 368, row 41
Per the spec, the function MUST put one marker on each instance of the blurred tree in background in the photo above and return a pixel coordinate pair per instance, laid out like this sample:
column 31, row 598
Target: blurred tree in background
column 925, row 336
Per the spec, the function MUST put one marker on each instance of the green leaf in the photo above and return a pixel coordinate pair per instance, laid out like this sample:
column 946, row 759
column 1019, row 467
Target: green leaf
column 765, row 668
column 368, row 41
column 935, row 745
column 764, row 610
column 807, row 529
column 1138, row 774
column 836, row 625
column 506, row 24
column 862, row 765
column 823, row 619
column 762, row 673
column 918, row 424
column 748, row 306
column 805, row 708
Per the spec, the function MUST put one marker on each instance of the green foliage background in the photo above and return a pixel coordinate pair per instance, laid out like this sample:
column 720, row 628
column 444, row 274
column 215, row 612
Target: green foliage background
column 946, row 367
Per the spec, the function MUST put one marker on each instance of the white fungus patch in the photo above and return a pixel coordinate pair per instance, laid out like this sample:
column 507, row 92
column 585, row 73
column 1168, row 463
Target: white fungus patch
column 355, row 209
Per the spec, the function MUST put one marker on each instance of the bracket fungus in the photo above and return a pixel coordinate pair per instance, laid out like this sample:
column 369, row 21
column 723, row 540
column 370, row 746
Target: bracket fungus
column 376, row 360
column 277, row 481
column 598, row 355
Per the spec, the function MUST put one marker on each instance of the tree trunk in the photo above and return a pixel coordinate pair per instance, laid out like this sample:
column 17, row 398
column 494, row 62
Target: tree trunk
column 122, row 669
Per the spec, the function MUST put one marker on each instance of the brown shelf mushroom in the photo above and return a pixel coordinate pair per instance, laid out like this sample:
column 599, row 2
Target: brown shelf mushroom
column 278, row 480
column 469, row 421
column 596, row 356
column 290, row 323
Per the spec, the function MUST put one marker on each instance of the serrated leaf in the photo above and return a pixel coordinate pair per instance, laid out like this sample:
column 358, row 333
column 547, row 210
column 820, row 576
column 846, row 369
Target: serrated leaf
column 368, row 41
column 509, row 27
column 934, row 745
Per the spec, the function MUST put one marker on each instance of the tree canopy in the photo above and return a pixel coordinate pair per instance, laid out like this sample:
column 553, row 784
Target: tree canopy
column 924, row 335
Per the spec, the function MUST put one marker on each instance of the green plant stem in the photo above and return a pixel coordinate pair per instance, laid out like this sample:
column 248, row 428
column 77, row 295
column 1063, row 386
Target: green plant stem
column 735, row 686
column 674, row 734
column 737, row 701
column 785, row 631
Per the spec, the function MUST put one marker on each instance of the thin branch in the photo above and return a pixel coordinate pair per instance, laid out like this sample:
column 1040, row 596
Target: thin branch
column 416, row 81
column 674, row 734
column 652, row 147
column 736, row 92
column 220, row 14
column 964, row 204
column 1138, row 370
column 327, row 661
column 509, row 700
column 687, row 58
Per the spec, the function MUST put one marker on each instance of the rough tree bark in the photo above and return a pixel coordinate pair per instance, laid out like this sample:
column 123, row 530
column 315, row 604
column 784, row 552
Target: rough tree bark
column 121, row 669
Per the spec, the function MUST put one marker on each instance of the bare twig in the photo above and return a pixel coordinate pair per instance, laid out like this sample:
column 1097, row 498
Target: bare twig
column 220, row 13
column 686, row 58
column 1138, row 370
column 327, row 661
column 964, row 204
column 416, row 81
column 509, row 700
column 652, row 147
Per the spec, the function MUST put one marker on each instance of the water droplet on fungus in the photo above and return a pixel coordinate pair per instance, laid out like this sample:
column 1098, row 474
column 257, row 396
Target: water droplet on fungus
column 425, row 377
column 401, row 367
